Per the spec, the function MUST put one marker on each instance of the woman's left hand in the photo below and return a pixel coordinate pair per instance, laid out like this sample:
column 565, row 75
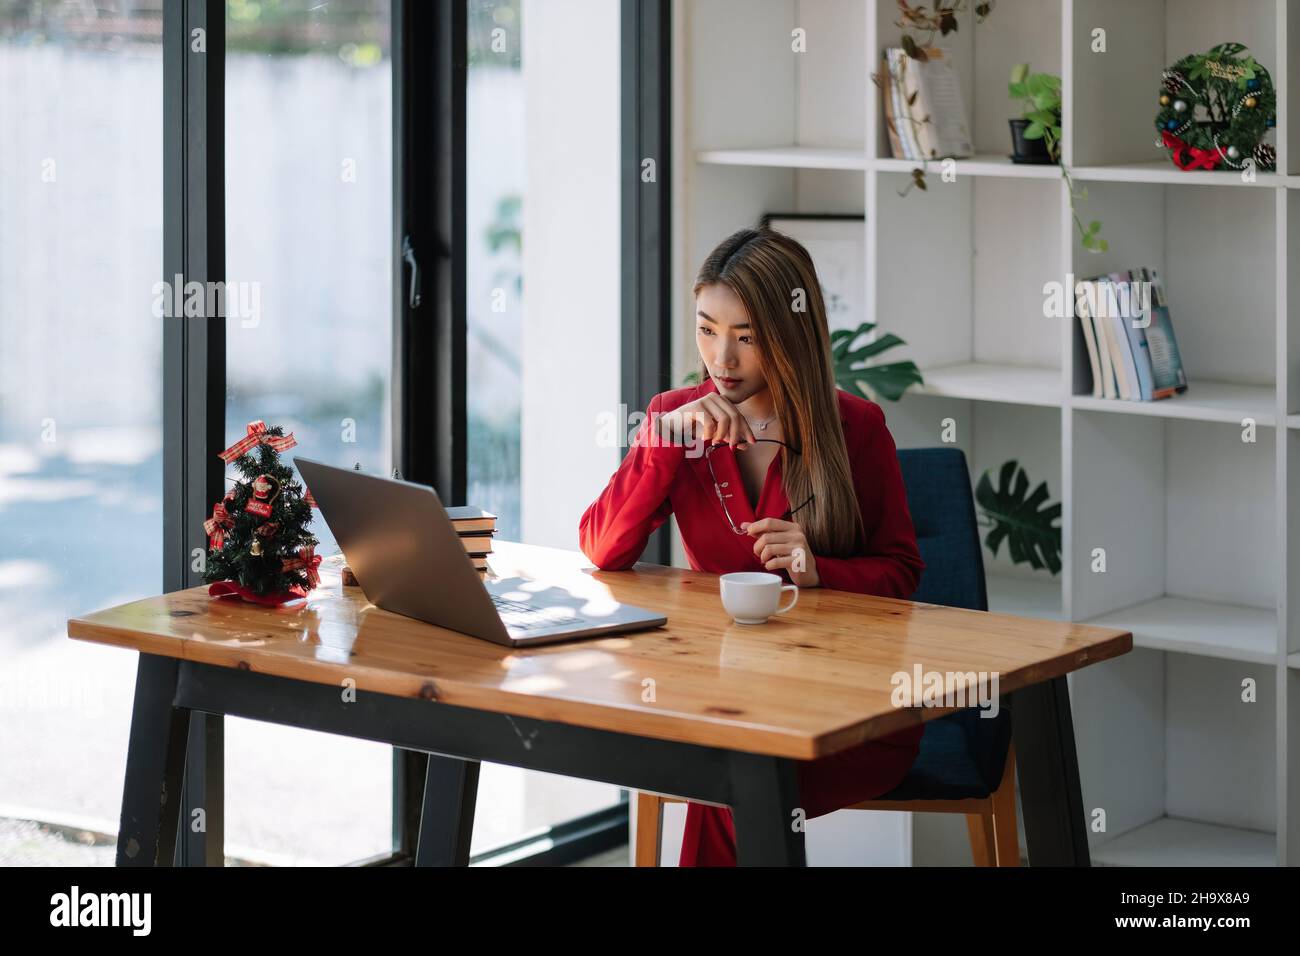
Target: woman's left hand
column 781, row 544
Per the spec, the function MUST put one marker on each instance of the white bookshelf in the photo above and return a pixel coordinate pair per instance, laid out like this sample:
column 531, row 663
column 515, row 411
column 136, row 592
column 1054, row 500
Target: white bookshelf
column 1199, row 528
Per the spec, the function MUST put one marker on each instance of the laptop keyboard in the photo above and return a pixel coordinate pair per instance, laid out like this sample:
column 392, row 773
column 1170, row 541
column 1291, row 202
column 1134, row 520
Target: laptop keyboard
column 527, row 616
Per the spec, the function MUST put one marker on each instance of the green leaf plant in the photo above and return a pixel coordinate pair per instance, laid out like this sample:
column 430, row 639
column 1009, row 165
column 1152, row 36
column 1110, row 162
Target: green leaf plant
column 1015, row 515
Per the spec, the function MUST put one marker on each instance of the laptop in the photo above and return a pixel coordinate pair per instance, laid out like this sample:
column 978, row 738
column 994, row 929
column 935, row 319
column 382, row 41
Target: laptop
column 408, row 558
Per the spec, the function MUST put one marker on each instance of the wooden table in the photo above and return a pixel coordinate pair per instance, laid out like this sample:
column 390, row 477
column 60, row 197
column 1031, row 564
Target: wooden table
column 703, row 708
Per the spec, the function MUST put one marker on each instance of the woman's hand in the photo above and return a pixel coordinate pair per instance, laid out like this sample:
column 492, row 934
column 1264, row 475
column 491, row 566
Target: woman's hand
column 781, row 544
column 711, row 418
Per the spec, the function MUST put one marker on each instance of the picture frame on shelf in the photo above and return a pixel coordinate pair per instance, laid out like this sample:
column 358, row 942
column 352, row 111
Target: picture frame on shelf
column 838, row 246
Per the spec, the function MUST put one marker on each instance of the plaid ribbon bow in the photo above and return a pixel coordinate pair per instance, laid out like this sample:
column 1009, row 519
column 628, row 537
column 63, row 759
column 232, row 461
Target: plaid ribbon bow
column 257, row 435
column 216, row 526
column 307, row 561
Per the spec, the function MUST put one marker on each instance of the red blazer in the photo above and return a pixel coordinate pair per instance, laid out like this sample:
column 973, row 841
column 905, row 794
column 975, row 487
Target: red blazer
column 656, row 480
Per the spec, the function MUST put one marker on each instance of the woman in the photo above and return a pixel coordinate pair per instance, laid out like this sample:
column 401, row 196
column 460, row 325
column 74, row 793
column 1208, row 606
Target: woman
column 768, row 387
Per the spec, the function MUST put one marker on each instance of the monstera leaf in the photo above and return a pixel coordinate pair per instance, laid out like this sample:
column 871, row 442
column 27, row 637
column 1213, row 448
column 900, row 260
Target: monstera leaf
column 852, row 373
column 1018, row 517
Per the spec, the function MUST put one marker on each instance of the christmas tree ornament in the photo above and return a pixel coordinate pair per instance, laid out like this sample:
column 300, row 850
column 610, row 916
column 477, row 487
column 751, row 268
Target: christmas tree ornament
column 263, row 485
column 261, row 548
column 1215, row 109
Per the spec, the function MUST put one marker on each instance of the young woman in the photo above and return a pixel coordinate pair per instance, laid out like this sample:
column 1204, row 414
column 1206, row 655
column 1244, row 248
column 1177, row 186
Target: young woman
column 815, row 496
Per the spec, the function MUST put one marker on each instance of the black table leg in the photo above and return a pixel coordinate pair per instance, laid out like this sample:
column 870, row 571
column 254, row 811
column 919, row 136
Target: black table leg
column 447, row 815
column 765, row 803
column 155, row 764
column 1048, row 766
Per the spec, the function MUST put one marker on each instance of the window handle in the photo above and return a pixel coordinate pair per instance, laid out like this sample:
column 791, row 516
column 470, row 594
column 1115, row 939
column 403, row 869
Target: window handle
column 408, row 256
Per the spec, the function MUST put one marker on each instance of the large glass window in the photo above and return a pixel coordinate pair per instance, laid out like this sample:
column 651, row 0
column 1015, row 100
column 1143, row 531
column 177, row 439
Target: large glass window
column 308, row 247
column 542, row 305
column 80, row 390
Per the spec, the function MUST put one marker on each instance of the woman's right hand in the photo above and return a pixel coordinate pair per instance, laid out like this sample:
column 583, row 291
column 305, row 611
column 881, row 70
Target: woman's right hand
column 709, row 418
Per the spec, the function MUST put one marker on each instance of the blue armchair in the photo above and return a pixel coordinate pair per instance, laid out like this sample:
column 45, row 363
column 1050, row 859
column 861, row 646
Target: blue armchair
column 967, row 762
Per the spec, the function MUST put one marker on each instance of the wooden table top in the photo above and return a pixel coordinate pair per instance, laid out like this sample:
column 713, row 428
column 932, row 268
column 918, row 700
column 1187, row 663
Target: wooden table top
column 809, row 682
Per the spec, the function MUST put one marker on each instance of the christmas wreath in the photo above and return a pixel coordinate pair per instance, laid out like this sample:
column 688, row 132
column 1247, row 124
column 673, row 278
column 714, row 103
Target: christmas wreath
column 1215, row 108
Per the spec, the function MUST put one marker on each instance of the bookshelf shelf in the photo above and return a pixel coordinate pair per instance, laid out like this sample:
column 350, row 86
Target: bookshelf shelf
column 1173, row 842
column 1203, row 401
column 786, row 157
column 1013, row 384
column 986, row 165
column 1169, row 498
column 1165, row 172
column 1227, row 631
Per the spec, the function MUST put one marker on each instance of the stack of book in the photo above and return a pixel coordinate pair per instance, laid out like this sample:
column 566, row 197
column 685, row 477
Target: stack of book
column 475, row 527
column 1129, row 336
column 923, row 106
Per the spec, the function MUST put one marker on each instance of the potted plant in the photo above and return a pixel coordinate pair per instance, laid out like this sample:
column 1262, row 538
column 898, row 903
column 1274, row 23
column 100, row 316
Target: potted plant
column 1036, row 138
column 1036, row 135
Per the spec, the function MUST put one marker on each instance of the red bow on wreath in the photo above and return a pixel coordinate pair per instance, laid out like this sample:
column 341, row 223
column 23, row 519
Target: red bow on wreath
column 216, row 526
column 1186, row 156
column 257, row 436
column 307, row 561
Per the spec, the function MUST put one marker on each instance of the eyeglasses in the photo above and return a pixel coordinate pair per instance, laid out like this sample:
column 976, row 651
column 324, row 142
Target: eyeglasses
column 722, row 498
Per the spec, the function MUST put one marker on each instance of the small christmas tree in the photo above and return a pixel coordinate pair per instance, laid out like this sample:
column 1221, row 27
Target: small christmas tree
column 259, row 545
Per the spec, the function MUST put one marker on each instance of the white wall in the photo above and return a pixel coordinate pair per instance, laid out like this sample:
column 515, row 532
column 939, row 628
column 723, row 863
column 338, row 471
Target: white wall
column 571, row 261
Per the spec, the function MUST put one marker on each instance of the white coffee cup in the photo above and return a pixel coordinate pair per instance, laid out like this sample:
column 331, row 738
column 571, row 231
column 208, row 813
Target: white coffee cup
column 751, row 597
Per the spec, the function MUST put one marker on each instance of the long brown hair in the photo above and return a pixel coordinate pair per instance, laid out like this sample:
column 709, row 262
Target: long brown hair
column 773, row 275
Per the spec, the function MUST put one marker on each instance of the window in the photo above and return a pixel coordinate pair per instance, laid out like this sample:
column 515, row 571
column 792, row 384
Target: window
column 80, row 387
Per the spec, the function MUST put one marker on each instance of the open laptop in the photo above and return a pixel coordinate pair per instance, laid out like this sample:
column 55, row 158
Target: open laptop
column 408, row 558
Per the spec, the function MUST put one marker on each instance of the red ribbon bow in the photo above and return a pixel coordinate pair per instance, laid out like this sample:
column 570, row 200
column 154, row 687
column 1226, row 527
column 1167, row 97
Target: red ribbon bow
column 307, row 561
column 1207, row 158
column 257, row 436
column 216, row 526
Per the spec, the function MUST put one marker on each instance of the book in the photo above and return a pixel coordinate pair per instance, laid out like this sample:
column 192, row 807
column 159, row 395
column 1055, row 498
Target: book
column 1084, row 313
column 1167, row 374
column 1117, row 308
column 906, row 113
column 1092, row 290
column 468, row 518
column 1136, row 315
column 477, row 543
column 888, row 93
column 942, row 130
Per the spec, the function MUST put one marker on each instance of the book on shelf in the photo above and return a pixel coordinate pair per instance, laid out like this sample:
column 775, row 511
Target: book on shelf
column 1129, row 336
column 1121, row 355
column 889, row 106
column 923, row 105
column 1168, row 376
column 1084, row 312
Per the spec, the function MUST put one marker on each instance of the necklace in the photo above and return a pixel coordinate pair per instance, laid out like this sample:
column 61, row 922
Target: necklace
column 762, row 426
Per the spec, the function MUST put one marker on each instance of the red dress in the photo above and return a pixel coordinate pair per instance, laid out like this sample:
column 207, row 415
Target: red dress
column 656, row 480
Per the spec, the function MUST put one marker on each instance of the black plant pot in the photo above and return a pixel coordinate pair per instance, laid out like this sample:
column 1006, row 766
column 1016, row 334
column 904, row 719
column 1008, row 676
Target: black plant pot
column 1033, row 151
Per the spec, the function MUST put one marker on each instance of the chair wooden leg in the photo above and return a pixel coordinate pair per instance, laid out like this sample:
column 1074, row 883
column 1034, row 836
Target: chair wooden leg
column 1006, row 839
column 649, row 829
column 982, row 846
